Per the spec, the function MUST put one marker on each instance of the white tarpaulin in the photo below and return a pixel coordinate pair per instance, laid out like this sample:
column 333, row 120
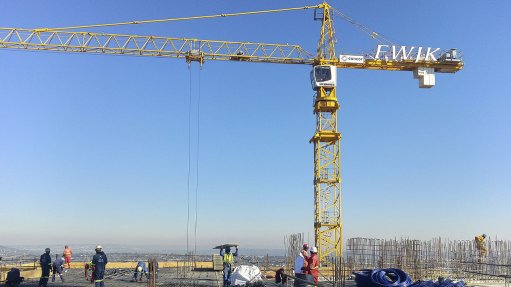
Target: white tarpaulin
column 244, row 274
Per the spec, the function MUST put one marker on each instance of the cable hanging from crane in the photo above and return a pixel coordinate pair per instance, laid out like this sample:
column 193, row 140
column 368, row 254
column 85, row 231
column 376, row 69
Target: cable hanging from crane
column 197, row 165
column 177, row 19
column 189, row 163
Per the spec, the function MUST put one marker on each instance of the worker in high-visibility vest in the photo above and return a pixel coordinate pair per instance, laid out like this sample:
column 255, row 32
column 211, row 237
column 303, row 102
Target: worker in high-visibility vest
column 481, row 245
column 68, row 254
column 228, row 260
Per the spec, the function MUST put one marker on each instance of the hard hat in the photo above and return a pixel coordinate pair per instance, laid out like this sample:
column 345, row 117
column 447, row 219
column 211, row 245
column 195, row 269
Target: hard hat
column 98, row 247
column 47, row 250
column 314, row 249
column 305, row 246
column 139, row 268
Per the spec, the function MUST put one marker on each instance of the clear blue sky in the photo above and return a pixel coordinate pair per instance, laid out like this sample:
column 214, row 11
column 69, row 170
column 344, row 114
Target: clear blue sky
column 94, row 148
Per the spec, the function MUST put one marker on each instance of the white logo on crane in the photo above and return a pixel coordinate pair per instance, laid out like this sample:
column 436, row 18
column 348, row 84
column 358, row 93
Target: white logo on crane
column 404, row 53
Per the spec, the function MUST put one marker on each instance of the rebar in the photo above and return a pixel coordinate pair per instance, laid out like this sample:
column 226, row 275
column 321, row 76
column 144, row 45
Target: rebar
column 294, row 244
column 438, row 257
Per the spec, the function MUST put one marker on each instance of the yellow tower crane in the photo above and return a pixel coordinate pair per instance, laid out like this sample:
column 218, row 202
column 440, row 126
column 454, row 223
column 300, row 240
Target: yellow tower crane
column 424, row 62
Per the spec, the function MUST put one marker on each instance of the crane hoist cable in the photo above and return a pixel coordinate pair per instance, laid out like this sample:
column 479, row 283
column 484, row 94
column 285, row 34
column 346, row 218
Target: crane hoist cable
column 189, row 161
column 371, row 33
column 178, row 19
column 197, row 163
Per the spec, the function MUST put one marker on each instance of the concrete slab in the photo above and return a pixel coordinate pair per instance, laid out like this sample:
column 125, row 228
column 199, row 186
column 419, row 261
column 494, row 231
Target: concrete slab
column 122, row 278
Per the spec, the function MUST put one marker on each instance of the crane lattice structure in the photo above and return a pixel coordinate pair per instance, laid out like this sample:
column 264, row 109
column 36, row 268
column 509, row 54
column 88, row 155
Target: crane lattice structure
column 326, row 139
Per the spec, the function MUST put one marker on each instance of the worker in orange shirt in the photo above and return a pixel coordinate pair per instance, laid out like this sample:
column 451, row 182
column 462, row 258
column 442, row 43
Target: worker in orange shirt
column 313, row 264
column 68, row 254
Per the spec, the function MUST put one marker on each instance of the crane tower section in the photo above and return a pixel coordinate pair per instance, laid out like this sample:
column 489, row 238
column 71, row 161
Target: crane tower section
column 326, row 140
column 327, row 174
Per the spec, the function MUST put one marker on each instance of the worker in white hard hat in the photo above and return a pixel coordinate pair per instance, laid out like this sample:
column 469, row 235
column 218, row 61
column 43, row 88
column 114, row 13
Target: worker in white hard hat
column 140, row 270
column 313, row 264
column 99, row 262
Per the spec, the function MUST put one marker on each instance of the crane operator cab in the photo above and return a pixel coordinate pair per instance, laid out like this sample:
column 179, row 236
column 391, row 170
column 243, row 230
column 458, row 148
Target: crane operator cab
column 324, row 76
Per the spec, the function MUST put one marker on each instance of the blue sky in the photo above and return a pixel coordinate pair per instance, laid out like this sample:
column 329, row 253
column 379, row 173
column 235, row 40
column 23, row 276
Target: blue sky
column 94, row 148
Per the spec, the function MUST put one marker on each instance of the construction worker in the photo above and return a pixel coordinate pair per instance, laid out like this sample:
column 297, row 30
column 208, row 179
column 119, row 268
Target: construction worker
column 280, row 277
column 68, row 254
column 58, row 266
column 45, row 261
column 13, row 278
column 88, row 272
column 301, row 260
column 481, row 246
column 141, row 269
column 99, row 262
column 228, row 260
column 313, row 264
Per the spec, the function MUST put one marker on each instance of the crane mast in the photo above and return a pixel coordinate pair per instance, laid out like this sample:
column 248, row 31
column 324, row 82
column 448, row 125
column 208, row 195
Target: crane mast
column 327, row 168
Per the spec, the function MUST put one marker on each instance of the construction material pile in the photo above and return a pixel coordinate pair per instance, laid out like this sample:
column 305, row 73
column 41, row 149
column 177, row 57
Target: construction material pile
column 246, row 275
column 393, row 277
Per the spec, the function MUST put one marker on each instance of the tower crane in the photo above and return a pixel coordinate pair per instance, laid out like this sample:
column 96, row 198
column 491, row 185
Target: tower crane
column 424, row 62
